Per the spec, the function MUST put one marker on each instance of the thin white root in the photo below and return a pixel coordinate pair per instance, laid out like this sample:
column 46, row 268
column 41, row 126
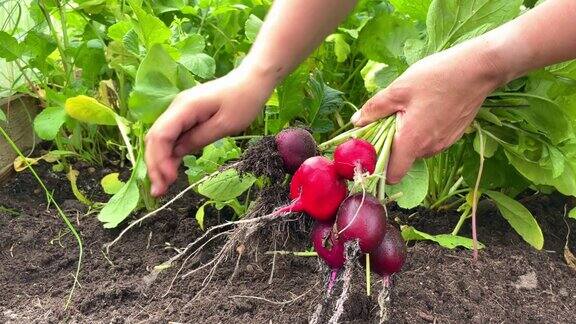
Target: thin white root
column 384, row 300
column 156, row 211
column 352, row 254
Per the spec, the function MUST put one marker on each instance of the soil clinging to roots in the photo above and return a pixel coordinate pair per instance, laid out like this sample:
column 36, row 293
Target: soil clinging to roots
column 261, row 158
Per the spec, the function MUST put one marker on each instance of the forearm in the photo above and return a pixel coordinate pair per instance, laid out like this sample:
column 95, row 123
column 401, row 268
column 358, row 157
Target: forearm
column 543, row 36
column 291, row 31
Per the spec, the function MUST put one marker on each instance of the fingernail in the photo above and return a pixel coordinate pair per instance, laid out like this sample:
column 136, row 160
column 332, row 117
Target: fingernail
column 154, row 190
column 356, row 117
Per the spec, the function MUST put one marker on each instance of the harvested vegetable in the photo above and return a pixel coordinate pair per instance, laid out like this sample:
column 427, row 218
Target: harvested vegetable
column 355, row 156
column 295, row 145
column 362, row 217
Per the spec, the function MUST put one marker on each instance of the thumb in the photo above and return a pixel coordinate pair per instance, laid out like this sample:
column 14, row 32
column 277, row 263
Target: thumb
column 383, row 104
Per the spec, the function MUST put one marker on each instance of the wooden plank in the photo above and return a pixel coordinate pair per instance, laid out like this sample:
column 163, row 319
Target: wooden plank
column 20, row 111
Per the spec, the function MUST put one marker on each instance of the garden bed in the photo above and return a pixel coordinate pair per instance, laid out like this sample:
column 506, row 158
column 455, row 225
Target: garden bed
column 511, row 282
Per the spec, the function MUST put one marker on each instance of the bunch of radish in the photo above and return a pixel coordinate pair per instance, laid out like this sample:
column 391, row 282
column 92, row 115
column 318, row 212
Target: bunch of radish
column 319, row 188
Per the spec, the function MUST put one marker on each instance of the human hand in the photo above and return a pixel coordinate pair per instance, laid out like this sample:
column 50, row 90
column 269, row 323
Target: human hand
column 435, row 100
column 200, row 116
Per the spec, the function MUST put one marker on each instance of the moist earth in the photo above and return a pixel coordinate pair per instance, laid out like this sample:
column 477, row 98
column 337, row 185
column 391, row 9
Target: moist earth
column 510, row 283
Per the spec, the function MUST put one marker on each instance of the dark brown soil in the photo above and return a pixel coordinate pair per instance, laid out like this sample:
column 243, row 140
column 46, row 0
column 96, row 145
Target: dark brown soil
column 511, row 282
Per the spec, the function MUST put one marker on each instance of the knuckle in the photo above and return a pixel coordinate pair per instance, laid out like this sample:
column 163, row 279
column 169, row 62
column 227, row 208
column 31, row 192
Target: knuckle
column 397, row 94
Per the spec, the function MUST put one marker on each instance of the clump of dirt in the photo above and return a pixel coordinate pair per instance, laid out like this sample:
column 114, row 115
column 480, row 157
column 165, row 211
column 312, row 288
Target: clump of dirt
column 261, row 158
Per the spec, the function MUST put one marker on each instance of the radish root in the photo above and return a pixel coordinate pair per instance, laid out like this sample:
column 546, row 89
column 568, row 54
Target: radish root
column 384, row 299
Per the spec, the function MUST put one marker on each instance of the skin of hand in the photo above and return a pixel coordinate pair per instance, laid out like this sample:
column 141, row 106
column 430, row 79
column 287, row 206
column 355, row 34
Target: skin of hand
column 437, row 98
column 200, row 116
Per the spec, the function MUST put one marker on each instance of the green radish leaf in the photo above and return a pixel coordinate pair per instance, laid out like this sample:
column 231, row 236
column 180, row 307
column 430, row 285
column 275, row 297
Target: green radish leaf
column 382, row 38
column 48, row 122
column 252, row 27
column 158, row 81
column 450, row 20
column 89, row 110
column 202, row 65
column 490, row 145
column 111, row 183
column 291, row 96
column 378, row 76
column 3, row 116
column 119, row 30
column 413, row 49
column 572, row 213
column 519, row 217
column 416, row 9
column 130, row 41
column 341, row 47
column 414, row 186
column 226, row 185
column 565, row 69
column 150, row 29
column 449, row 241
column 200, row 215
column 193, row 44
column 9, row 47
column 120, row 205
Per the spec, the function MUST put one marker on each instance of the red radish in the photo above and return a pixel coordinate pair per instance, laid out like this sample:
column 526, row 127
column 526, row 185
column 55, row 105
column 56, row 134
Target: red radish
column 316, row 189
column 295, row 146
column 354, row 155
column 362, row 216
column 389, row 256
column 327, row 246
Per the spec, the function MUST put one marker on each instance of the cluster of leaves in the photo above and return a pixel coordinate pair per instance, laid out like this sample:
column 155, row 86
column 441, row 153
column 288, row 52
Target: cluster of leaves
column 525, row 131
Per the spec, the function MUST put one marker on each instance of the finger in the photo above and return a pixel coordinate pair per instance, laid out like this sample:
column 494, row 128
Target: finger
column 200, row 136
column 160, row 140
column 402, row 155
column 383, row 104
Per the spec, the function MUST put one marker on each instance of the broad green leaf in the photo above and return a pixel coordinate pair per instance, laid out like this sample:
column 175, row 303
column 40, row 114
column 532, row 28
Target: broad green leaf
column 519, row 217
column 449, row 20
column 413, row 50
column 155, row 86
column 490, row 145
column 572, row 213
column 291, row 96
column 151, row 30
column 130, row 41
column 543, row 175
column 251, row 28
column 48, row 122
column 202, row 65
column 565, row 69
column 378, row 76
column 72, row 176
column 200, row 215
column 120, row 205
column 416, row 9
column 119, row 30
column 111, row 183
column 449, row 241
column 89, row 110
column 226, row 185
column 414, row 186
column 324, row 99
column 546, row 118
column 382, row 38
column 9, row 47
column 2, row 116
column 341, row 47
column 213, row 156
column 193, row 44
